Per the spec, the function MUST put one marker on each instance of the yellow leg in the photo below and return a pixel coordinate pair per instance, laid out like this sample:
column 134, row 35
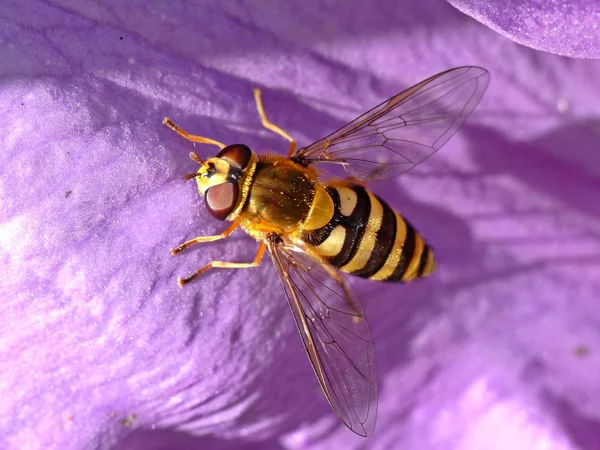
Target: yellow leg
column 353, row 180
column 347, row 293
column 190, row 137
column 337, row 276
column 201, row 239
column 269, row 125
column 226, row 265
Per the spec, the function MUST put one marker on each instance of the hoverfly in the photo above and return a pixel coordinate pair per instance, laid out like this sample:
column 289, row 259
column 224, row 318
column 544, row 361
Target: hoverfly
column 316, row 227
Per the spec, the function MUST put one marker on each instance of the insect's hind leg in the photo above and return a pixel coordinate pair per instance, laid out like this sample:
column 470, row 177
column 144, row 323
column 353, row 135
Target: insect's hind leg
column 336, row 275
column 270, row 125
column 227, row 265
column 191, row 137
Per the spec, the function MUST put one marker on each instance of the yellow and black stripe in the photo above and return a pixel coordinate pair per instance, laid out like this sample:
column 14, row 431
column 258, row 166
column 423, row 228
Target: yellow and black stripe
column 367, row 238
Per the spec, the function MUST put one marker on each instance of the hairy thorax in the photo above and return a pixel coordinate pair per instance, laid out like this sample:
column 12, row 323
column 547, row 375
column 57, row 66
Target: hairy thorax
column 279, row 198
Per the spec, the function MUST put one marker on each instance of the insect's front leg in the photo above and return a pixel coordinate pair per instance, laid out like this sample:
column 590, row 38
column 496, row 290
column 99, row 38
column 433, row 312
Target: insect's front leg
column 200, row 239
column 270, row 125
column 227, row 265
column 191, row 137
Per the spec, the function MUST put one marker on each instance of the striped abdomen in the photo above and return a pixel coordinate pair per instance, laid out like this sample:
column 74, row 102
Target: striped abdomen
column 367, row 238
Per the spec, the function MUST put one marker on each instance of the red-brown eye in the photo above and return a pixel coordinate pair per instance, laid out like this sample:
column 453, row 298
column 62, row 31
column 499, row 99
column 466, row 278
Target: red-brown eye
column 221, row 200
column 238, row 155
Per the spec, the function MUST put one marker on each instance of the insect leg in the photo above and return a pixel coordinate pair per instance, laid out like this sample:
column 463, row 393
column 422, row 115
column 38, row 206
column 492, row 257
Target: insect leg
column 227, row 265
column 269, row 125
column 190, row 137
column 335, row 274
column 200, row 239
column 353, row 180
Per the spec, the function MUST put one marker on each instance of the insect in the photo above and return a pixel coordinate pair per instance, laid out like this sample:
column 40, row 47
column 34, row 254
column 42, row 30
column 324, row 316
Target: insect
column 317, row 227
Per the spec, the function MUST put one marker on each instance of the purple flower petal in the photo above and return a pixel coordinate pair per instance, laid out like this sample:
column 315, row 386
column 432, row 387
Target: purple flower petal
column 564, row 28
column 101, row 348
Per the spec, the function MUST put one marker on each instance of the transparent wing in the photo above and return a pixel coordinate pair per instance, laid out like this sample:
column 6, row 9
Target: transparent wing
column 405, row 130
column 335, row 334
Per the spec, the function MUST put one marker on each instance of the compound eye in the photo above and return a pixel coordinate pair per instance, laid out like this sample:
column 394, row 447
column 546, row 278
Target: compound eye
column 221, row 199
column 237, row 155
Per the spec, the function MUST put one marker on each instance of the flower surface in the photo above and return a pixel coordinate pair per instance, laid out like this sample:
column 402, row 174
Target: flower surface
column 565, row 28
column 100, row 347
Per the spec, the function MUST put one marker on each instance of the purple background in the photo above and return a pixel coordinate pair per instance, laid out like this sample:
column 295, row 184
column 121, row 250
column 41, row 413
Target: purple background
column 569, row 28
column 500, row 349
